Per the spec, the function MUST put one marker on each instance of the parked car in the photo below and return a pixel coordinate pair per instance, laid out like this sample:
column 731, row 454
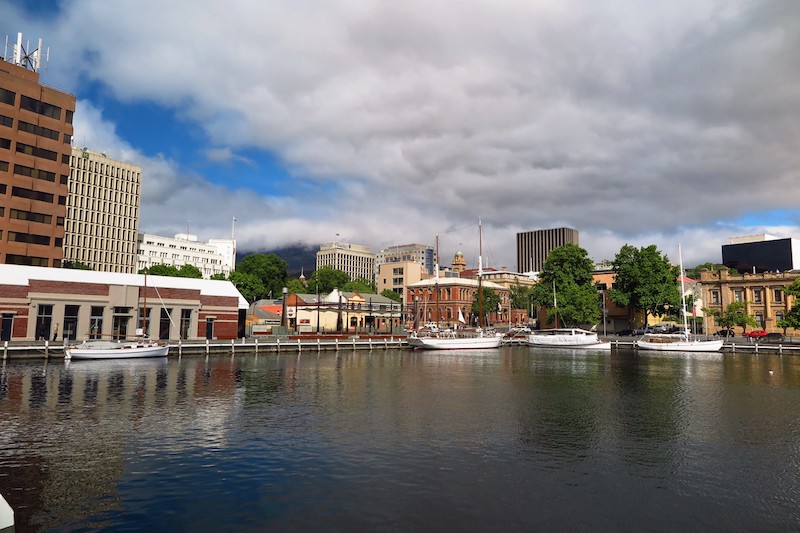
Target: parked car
column 725, row 333
column 755, row 334
column 625, row 333
column 773, row 337
column 643, row 330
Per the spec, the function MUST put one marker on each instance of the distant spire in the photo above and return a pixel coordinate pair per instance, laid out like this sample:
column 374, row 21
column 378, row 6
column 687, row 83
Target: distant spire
column 302, row 277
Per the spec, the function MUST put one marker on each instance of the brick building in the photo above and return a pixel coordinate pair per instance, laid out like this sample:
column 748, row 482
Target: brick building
column 54, row 303
column 35, row 136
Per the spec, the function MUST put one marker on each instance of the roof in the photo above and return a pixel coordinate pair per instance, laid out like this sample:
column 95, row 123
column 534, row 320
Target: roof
column 456, row 282
column 22, row 274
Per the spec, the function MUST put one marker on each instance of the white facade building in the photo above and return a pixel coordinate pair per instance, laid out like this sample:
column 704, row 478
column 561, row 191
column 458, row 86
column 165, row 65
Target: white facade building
column 102, row 221
column 185, row 249
column 357, row 261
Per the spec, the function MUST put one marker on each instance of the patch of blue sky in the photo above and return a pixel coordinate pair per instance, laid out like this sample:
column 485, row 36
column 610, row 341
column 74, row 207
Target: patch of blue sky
column 775, row 217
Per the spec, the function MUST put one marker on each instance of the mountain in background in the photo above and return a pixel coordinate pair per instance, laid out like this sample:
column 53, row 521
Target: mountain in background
column 299, row 258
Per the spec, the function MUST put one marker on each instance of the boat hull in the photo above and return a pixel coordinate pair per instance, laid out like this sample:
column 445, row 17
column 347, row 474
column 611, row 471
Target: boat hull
column 567, row 338
column 679, row 346
column 123, row 351
column 454, row 343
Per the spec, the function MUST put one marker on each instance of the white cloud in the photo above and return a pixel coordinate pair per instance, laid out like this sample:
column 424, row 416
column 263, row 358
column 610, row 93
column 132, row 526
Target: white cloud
column 631, row 122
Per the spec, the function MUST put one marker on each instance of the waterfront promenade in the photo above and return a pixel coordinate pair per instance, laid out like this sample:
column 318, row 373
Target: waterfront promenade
column 325, row 343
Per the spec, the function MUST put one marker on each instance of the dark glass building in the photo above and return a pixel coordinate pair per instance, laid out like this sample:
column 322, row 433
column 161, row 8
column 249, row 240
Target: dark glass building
column 534, row 246
column 762, row 256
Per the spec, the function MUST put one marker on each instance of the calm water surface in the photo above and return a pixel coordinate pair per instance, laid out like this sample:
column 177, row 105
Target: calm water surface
column 394, row 440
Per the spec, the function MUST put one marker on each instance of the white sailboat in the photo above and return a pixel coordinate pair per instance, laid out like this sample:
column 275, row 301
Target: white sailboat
column 459, row 339
column 142, row 346
column 682, row 341
column 566, row 337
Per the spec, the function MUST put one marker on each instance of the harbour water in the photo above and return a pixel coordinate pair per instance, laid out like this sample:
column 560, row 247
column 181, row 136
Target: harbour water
column 395, row 440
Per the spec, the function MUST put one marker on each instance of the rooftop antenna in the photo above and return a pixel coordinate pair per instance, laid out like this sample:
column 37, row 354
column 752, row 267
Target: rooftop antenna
column 233, row 227
column 24, row 57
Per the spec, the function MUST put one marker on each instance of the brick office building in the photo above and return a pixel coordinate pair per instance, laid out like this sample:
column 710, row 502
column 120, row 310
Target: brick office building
column 35, row 136
column 54, row 303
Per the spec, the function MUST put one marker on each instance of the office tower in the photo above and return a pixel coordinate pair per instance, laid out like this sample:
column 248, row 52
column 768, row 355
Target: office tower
column 357, row 261
column 102, row 212
column 35, row 136
column 534, row 246
column 420, row 253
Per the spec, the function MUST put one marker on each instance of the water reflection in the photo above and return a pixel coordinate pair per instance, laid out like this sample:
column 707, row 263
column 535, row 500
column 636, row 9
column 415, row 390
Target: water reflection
column 400, row 439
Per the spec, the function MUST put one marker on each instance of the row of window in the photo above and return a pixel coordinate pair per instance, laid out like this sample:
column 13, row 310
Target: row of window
column 119, row 192
column 39, row 174
column 39, row 196
column 13, row 259
column 31, row 216
column 103, row 171
column 758, row 295
column 36, row 106
column 37, row 151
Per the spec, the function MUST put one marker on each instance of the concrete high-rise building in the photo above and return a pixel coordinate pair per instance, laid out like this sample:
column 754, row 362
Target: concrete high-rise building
column 420, row 253
column 357, row 261
column 35, row 136
column 102, row 212
column 534, row 246
column 184, row 249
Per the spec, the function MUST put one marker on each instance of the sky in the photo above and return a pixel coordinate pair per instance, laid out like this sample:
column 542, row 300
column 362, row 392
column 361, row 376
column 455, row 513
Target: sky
column 383, row 123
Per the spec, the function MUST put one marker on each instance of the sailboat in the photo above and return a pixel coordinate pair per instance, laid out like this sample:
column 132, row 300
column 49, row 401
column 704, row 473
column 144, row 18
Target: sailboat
column 683, row 340
column 459, row 339
column 566, row 337
column 142, row 346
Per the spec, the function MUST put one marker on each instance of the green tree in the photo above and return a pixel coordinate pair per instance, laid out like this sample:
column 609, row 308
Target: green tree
column 566, row 287
column 75, row 265
column 295, row 286
column 645, row 280
column 694, row 272
column 360, row 286
column 161, row 270
column 189, row 271
column 219, row 277
column 389, row 293
column 734, row 315
column 269, row 268
column 491, row 303
column 792, row 318
column 520, row 296
column 248, row 285
column 328, row 278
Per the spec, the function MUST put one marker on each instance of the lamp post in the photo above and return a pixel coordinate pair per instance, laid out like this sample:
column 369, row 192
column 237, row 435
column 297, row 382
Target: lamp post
column 283, row 308
column 317, row 306
column 339, row 312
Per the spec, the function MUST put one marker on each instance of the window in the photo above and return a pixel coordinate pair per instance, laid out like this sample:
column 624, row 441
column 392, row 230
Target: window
column 12, row 259
column 21, row 192
column 44, row 319
column 7, row 97
column 759, row 316
column 778, row 295
column 35, row 173
column 714, row 297
column 779, row 316
column 6, row 121
column 14, row 236
column 37, row 152
column 757, row 296
column 737, row 295
column 69, row 116
column 30, row 216
column 5, row 143
column 41, row 131
column 39, row 107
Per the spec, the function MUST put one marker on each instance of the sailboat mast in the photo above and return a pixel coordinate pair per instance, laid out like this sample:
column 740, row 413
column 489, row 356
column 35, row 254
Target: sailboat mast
column 436, row 285
column 480, row 274
column 144, row 311
column 683, row 292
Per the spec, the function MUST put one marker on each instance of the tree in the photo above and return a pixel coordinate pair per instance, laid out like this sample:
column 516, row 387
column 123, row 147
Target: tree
column 792, row 318
column 75, row 265
column 360, row 286
column 491, row 302
column 734, row 315
column 189, row 271
column 220, row 277
column 645, row 280
column 161, row 270
column 389, row 293
column 328, row 278
column 248, row 285
column 566, row 287
column 694, row 272
column 295, row 286
column 520, row 296
column 269, row 268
